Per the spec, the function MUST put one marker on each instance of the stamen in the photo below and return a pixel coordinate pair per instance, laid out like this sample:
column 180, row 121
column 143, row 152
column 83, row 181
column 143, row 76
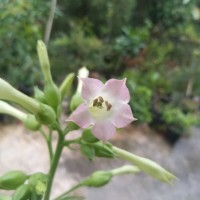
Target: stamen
column 108, row 105
column 101, row 99
column 95, row 102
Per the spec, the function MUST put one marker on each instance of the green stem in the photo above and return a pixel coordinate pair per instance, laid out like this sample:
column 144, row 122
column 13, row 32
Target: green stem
column 54, row 165
column 51, row 153
column 68, row 142
column 70, row 190
column 48, row 141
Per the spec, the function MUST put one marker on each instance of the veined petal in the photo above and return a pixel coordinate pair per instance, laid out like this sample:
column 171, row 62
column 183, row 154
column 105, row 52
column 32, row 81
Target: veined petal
column 117, row 89
column 81, row 116
column 103, row 130
column 122, row 116
column 90, row 88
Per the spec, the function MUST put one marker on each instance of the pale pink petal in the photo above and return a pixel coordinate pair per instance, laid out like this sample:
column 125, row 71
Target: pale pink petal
column 122, row 116
column 117, row 89
column 103, row 130
column 90, row 88
column 81, row 116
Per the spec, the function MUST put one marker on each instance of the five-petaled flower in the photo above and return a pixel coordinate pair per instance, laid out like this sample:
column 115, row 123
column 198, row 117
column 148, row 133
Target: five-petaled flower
column 105, row 107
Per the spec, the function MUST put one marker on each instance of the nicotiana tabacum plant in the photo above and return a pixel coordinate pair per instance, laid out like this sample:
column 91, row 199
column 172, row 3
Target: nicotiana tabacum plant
column 98, row 109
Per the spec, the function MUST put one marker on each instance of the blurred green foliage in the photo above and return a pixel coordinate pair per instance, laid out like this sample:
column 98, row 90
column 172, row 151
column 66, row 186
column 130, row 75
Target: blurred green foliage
column 155, row 44
column 21, row 27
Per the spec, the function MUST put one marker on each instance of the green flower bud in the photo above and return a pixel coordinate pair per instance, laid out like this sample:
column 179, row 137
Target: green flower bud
column 75, row 101
column 7, row 92
column 52, row 95
column 39, row 95
column 22, row 193
column 87, row 136
column 98, row 179
column 12, row 180
column 31, row 123
column 46, row 115
column 65, row 88
column 44, row 61
column 146, row 165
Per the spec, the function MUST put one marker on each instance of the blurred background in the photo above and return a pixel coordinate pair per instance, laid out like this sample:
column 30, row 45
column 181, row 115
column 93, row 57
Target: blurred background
column 154, row 43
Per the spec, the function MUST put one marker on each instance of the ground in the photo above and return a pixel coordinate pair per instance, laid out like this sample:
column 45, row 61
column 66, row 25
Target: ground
column 22, row 150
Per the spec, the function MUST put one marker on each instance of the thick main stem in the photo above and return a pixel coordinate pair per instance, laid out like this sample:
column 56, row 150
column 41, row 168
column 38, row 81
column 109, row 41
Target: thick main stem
column 54, row 165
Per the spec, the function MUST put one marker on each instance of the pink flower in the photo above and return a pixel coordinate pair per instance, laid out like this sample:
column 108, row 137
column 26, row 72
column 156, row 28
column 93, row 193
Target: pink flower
column 105, row 107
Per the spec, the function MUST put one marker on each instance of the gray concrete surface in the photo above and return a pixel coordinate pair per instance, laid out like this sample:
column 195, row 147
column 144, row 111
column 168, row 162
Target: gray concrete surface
column 26, row 151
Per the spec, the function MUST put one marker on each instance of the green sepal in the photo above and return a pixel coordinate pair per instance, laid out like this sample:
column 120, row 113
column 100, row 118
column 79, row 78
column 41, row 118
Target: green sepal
column 39, row 95
column 98, row 179
column 87, row 136
column 38, row 182
column 22, row 193
column 46, row 115
column 35, row 196
column 12, row 180
column 71, row 126
column 104, row 150
column 52, row 95
column 88, row 151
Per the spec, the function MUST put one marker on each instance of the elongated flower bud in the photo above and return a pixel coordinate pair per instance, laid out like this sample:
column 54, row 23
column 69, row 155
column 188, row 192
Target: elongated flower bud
column 65, row 87
column 77, row 98
column 146, row 165
column 43, row 113
column 51, row 92
column 44, row 61
column 82, row 73
column 29, row 120
column 6, row 108
column 7, row 92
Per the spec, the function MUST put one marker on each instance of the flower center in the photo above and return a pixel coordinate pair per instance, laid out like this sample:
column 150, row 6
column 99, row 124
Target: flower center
column 100, row 108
